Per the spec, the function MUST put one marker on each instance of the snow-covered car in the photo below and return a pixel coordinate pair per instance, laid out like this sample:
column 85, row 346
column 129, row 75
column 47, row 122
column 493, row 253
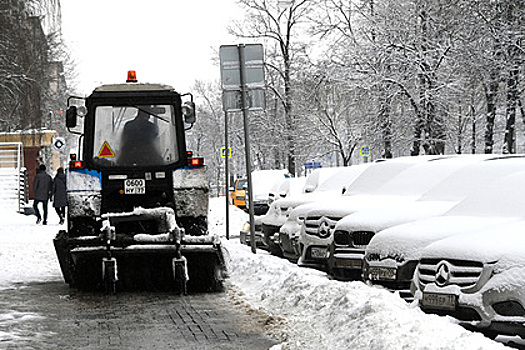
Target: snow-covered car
column 478, row 278
column 291, row 186
column 383, row 184
column 353, row 232
column 392, row 255
column 321, row 183
column 263, row 181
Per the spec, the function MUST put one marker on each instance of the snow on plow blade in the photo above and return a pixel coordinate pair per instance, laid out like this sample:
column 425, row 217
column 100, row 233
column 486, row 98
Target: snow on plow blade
column 166, row 261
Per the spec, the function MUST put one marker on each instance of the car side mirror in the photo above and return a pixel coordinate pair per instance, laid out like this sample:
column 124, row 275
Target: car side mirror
column 188, row 111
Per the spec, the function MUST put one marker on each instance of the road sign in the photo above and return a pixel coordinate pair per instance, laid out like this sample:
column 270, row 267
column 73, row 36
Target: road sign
column 365, row 151
column 59, row 143
column 223, row 152
column 312, row 165
column 230, row 66
column 252, row 68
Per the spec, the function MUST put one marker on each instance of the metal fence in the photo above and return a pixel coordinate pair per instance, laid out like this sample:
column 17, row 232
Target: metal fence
column 13, row 175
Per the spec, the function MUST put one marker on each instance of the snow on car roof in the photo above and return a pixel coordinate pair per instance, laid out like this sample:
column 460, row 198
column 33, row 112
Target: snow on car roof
column 474, row 176
column 421, row 177
column 341, row 176
column 404, row 184
column 503, row 197
column 381, row 172
column 264, row 180
column 332, row 186
column 318, row 176
column 439, row 199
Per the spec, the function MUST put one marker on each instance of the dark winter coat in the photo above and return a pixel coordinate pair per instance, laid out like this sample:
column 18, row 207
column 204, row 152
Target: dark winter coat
column 59, row 191
column 42, row 185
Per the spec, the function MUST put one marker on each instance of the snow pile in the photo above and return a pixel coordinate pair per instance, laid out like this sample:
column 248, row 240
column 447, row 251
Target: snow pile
column 327, row 314
column 320, row 313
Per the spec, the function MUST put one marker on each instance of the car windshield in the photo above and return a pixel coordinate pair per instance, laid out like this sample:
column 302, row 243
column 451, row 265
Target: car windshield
column 241, row 184
column 135, row 136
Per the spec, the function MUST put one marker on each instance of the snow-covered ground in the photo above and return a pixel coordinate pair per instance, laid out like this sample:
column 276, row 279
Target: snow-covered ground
column 309, row 310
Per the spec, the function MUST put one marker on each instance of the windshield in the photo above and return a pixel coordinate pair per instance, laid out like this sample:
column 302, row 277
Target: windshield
column 241, row 184
column 135, row 136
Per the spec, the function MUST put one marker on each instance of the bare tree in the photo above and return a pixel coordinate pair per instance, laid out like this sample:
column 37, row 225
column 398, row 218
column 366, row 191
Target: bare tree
column 277, row 23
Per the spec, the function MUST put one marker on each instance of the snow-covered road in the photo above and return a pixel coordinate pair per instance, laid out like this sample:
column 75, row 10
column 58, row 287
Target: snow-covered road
column 313, row 312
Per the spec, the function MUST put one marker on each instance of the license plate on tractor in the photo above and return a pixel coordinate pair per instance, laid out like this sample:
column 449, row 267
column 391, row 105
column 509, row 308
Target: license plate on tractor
column 134, row 186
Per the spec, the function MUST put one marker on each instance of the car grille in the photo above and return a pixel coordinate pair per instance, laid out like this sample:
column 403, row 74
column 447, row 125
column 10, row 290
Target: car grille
column 352, row 239
column 320, row 226
column 462, row 273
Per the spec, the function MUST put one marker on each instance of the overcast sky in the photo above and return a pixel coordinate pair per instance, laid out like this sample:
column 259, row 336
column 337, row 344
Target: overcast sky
column 165, row 41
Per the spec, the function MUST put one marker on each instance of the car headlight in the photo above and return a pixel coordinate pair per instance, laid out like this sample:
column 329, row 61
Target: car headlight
column 246, row 226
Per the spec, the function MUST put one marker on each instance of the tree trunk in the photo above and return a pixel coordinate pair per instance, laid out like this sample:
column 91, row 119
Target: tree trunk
column 490, row 96
column 512, row 96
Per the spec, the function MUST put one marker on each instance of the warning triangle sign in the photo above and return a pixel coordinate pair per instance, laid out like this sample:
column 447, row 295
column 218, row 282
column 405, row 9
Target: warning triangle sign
column 106, row 151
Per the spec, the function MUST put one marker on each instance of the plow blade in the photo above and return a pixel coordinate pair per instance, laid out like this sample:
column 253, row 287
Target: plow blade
column 196, row 264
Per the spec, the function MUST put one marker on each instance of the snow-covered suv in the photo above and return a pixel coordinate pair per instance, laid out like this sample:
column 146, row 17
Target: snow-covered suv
column 478, row 278
column 354, row 232
column 383, row 184
column 392, row 255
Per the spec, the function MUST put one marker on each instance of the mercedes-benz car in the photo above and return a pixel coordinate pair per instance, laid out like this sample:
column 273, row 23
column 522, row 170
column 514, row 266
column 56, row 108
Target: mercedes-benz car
column 393, row 254
column 354, row 232
column 477, row 278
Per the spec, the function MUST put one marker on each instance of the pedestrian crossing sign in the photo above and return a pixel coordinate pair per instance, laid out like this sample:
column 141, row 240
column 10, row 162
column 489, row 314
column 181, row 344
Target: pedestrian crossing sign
column 365, row 151
column 223, row 152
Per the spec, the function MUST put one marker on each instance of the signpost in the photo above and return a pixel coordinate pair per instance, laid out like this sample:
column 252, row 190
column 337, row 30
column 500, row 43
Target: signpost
column 242, row 81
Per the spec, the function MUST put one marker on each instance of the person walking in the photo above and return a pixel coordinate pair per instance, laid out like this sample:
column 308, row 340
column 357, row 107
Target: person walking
column 59, row 194
column 42, row 185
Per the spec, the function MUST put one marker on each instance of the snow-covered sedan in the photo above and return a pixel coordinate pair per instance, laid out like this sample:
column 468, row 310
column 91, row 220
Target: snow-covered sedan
column 281, row 189
column 392, row 255
column 478, row 278
column 383, row 184
column 321, row 184
column 353, row 232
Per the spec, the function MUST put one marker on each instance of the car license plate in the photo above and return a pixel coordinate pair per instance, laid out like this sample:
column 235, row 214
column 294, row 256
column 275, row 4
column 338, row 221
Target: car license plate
column 349, row 263
column 135, row 186
column 382, row 273
column 318, row 253
column 439, row 301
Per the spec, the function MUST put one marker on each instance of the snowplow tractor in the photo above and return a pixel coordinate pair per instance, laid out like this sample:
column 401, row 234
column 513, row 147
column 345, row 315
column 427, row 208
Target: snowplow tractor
column 137, row 199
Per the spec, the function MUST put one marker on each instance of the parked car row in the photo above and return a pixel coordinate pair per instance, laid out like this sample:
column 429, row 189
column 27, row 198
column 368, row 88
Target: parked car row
column 445, row 232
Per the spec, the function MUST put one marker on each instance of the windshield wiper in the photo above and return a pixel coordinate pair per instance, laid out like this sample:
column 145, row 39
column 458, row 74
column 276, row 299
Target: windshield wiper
column 152, row 114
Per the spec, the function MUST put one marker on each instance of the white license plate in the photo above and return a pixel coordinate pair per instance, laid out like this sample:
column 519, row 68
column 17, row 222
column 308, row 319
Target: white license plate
column 382, row 273
column 134, row 186
column 318, row 253
column 439, row 301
